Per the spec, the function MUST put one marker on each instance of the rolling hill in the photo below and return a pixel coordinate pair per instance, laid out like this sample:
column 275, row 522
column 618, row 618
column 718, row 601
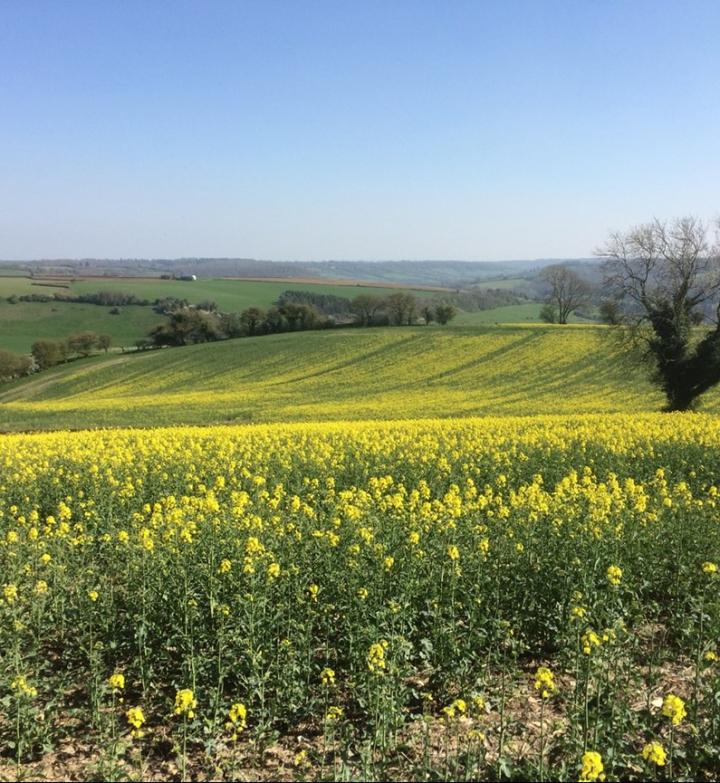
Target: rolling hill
column 341, row 375
column 22, row 323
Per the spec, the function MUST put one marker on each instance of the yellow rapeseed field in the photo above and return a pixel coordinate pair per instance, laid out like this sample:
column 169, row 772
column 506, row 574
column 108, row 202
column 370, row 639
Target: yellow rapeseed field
column 343, row 374
column 499, row 597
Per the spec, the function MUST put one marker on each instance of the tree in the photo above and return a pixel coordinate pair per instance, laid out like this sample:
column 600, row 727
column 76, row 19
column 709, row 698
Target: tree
column 299, row 316
column 365, row 306
column 548, row 314
column 13, row 365
column 187, row 326
column 568, row 291
column 47, row 353
column 401, row 308
column 665, row 275
column 428, row 314
column 104, row 341
column 444, row 313
column 610, row 312
column 231, row 325
column 82, row 343
column 252, row 319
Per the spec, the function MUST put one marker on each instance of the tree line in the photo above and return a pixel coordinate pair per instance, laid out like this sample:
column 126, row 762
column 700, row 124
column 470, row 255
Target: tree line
column 113, row 299
column 294, row 311
column 47, row 353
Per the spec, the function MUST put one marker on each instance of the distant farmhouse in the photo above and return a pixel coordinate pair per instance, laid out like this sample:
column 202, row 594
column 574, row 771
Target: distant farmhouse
column 187, row 278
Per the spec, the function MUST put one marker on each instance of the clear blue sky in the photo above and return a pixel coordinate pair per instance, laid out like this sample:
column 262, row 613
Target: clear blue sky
column 304, row 129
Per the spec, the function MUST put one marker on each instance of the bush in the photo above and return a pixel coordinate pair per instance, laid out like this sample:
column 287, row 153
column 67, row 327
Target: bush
column 12, row 365
column 47, row 353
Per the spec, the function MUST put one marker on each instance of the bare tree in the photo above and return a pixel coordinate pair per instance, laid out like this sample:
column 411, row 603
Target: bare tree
column 665, row 276
column 568, row 291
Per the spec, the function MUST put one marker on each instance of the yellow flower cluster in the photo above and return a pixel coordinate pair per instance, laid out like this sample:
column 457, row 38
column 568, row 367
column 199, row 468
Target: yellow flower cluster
column 23, row 688
column 376, row 656
column 327, row 677
column 237, row 719
column 545, row 682
column 592, row 767
column 674, row 708
column 185, row 703
column 654, row 752
column 614, row 575
column 136, row 719
column 117, row 681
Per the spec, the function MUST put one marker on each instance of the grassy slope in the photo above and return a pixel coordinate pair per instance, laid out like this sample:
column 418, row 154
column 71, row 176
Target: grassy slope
column 23, row 323
column 343, row 374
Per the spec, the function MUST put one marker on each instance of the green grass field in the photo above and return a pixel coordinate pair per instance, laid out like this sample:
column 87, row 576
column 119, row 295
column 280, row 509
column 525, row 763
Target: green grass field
column 522, row 313
column 390, row 373
column 24, row 322
column 229, row 295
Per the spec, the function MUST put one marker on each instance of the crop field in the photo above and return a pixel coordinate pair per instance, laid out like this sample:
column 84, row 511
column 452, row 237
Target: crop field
column 339, row 375
column 502, row 597
column 322, row 594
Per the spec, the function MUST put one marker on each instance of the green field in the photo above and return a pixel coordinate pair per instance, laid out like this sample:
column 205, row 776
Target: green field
column 390, row 373
column 229, row 295
column 521, row 313
column 24, row 322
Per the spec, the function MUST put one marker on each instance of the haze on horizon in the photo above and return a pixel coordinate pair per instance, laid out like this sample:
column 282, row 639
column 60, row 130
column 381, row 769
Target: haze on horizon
column 321, row 130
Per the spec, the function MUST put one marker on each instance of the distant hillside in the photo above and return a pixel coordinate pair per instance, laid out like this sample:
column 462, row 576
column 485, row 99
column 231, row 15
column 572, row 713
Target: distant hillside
column 344, row 374
column 436, row 273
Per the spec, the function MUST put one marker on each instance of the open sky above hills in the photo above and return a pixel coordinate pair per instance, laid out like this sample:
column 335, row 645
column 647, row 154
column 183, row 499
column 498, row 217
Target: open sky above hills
column 351, row 130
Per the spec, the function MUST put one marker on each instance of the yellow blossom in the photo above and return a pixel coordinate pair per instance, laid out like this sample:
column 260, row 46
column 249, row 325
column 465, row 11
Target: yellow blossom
column 614, row 575
column 136, row 719
column 654, row 752
column 22, row 687
column 592, row 767
column 334, row 714
column 185, row 703
column 10, row 593
column 327, row 676
column 376, row 656
column 545, row 682
column 237, row 718
column 674, row 708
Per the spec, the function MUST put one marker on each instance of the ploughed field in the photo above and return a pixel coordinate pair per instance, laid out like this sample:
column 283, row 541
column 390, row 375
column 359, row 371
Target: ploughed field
column 497, row 597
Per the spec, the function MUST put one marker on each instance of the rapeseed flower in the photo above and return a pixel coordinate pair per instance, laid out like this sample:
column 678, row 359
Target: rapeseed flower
column 136, row 719
column 592, row 767
column 674, row 708
column 654, row 752
column 185, row 703
column 545, row 682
